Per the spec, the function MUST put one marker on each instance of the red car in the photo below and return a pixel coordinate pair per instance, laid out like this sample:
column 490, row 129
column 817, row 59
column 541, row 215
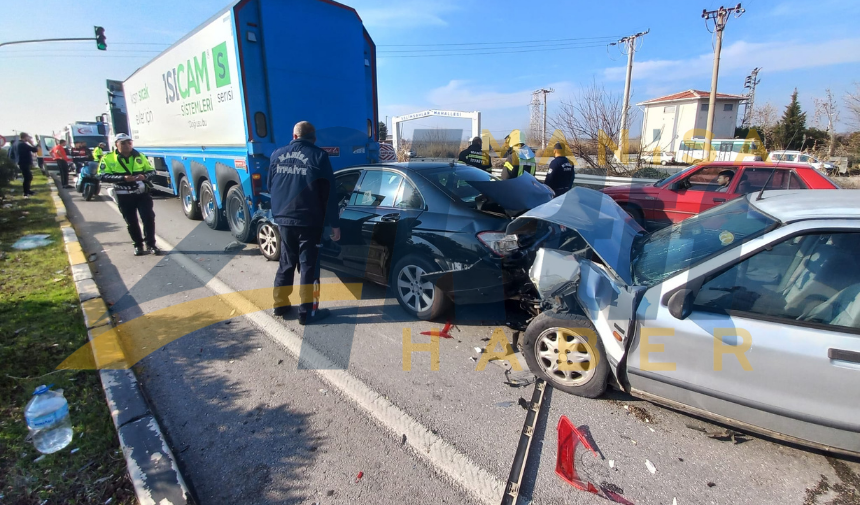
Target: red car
column 701, row 187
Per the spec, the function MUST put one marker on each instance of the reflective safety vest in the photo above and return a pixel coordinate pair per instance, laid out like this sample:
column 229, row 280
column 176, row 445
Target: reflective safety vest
column 525, row 162
column 98, row 153
column 113, row 169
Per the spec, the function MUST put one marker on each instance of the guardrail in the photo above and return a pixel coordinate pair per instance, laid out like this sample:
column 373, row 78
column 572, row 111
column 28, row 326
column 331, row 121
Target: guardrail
column 593, row 180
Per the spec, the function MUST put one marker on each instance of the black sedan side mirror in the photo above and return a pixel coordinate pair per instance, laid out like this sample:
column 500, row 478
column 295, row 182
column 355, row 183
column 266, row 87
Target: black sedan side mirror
column 681, row 303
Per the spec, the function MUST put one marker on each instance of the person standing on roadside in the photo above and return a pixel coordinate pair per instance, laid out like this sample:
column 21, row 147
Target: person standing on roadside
column 58, row 152
column 475, row 156
column 560, row 175
column 129, row 172
column 25, row 150
column 301, row 184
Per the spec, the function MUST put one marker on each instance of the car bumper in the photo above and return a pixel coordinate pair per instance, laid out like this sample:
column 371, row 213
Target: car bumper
column 482, row 282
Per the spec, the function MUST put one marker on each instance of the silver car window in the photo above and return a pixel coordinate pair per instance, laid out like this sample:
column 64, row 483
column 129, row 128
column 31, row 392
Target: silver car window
column 811, row 278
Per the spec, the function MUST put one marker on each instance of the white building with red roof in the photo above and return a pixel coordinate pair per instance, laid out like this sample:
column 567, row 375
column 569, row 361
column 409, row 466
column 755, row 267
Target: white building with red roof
column 668, row 120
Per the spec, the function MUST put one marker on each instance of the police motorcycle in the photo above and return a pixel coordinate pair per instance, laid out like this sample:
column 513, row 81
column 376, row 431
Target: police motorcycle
column 88, row 183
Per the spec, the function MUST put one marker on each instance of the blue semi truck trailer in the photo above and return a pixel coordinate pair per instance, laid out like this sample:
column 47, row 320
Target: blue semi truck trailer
column 210, row 110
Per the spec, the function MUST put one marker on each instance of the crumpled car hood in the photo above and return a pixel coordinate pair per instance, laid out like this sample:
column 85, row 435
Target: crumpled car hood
column 605, row 226
column 515, row 195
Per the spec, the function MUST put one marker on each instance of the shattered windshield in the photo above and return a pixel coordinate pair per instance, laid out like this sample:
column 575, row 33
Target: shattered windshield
column 685, row 244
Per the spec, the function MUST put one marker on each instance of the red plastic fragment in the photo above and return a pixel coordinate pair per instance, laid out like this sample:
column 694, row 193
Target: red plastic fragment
column 568, row 438
column 436, row 333
column 359, row 476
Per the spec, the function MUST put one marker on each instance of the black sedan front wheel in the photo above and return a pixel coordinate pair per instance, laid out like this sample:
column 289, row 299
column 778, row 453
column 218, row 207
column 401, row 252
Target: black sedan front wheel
column 419, row 297
column 269, row 240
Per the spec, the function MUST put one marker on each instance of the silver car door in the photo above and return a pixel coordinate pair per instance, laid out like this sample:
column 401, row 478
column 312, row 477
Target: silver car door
column 773, row 338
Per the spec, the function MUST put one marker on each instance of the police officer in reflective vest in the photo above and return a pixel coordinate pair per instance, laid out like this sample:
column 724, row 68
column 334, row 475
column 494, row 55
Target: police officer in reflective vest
column 129, row 172
column 560, row 175
column 301, row 184
column 475, row 156
column 99, row 151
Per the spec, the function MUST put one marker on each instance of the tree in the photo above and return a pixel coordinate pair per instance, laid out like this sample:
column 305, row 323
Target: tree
column 383, row 131
column 852, row 103
column 789, row 132
column 827, row 110
column 763, row 119
column 591, row 124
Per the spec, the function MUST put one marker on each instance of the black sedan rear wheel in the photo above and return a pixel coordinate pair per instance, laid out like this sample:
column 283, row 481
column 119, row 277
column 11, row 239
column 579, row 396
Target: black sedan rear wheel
column 419, row 297
column 269, row 240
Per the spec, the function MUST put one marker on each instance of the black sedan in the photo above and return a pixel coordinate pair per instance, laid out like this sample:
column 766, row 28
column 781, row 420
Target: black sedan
column 433, row 232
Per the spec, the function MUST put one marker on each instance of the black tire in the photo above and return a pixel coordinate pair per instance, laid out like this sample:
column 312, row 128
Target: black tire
column 636, row 213
column 89, row 191
column 407, row 294
column 539, row 346
column 189, row 206
column 212, row 215
column 238, row 215
column 269, row 241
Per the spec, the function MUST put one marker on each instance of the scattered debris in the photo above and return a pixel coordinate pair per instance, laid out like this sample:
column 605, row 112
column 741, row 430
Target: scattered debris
column 516, row 379
column 522, row 402
column 652, row 430
column 612, row 463
column 358, row 477
column 40, row 458
column 711, row 484
column 76, row 449
column 674, row 501
column 323, row 391
column 639, row 413
column 403, row 439
column 280, row 361
column 444, row 333
column 32, row 242
column 723, row 435
column 651, row 467
column 92, row 257
column 480, row 350
column 330, row 492
column 611, row 487
column 234, row 245
column 473, row 359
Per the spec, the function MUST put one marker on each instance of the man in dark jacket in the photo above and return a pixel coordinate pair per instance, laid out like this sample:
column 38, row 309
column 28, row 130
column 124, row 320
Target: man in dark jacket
column 475, row 156
column 560, row 175
column 25, row 150
column 301, row 182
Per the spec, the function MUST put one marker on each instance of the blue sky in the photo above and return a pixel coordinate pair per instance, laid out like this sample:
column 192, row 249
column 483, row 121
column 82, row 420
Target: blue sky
column 802, row 44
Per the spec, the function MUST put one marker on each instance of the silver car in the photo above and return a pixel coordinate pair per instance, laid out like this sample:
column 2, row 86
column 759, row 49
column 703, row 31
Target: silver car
column 748, row 314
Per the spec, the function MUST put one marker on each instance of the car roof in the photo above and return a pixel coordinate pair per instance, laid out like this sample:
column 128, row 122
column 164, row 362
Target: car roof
column 408, row 165
column 798, row 205
column 759, row 164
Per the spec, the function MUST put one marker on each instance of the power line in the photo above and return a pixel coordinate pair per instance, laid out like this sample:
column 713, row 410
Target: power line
column 560, row 48
column 498, row 43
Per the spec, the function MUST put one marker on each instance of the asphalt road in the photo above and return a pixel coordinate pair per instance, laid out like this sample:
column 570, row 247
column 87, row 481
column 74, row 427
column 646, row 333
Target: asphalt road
column 251, row 423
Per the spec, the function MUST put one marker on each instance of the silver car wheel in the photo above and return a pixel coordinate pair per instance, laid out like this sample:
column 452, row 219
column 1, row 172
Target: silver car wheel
column 268, row 240
column 581, row 356
column 416, row 294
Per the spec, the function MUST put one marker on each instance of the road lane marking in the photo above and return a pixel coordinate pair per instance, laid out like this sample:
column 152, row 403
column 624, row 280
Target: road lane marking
column 474, row 479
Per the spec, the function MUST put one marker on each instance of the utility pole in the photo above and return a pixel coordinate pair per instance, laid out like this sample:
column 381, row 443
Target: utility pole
column 750, row 84
column 630, row 43
column 720, row 18
column 538, row 123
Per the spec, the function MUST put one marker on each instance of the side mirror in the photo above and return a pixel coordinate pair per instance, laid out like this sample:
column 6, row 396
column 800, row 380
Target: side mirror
column 681, row 303
column 101, row 129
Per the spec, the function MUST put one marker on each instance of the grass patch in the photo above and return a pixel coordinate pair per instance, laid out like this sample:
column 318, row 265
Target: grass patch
column 41, row 324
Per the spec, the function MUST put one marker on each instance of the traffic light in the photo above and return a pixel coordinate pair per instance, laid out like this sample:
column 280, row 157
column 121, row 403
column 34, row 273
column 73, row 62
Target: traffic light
column 100, row 38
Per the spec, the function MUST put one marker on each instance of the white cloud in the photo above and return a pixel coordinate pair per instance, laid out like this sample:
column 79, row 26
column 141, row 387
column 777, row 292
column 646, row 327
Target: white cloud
column 407, row 14
column 463, row 94
column 743, row 56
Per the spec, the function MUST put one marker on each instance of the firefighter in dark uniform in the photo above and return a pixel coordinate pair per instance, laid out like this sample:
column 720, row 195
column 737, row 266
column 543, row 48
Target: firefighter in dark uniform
column 475, row 156
column 560, row 175
column 301, row 182
column 129, row 172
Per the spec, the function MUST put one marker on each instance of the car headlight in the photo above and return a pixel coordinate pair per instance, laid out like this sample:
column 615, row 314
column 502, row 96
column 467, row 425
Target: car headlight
column 498, row 242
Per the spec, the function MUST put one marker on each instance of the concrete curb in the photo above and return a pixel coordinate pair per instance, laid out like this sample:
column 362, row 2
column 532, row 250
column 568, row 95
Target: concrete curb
column 151, row 464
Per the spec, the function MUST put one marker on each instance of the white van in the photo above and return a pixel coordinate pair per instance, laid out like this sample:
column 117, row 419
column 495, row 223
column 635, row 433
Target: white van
column 691, row 151
column 807, row 159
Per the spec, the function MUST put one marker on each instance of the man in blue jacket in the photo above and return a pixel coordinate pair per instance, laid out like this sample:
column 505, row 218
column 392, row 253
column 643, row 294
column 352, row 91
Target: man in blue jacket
column 301, row 182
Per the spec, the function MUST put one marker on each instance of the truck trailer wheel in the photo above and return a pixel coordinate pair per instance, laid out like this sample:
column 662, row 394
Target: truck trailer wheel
column 209, row 207
column 238, row 215
column 189, row 206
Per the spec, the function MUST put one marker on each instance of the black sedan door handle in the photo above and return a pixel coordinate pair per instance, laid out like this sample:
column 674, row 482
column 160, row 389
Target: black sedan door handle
column 390, row 218
column 843, row 355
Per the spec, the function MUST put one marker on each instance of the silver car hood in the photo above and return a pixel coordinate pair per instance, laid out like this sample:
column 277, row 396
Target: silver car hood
column 605, row 226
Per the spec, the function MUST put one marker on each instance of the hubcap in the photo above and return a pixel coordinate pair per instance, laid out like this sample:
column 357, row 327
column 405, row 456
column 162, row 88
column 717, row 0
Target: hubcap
column 414, row 292
column 581, row 360
column 268, row 240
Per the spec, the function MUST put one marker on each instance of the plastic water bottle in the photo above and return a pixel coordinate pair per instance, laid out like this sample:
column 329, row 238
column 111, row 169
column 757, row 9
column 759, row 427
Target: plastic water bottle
column 47, row 415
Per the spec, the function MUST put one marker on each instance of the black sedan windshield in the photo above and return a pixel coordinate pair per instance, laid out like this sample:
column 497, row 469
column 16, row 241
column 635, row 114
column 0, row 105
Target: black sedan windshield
column 679, row 247
column 454, row 181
